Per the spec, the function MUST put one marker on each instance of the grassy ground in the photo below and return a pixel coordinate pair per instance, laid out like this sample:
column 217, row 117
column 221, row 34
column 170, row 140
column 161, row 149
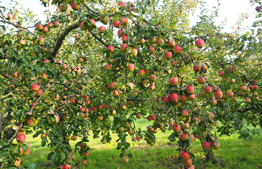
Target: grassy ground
column 234, row 153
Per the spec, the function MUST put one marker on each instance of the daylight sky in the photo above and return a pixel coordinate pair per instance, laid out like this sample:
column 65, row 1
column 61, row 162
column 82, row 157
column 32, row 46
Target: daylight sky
column 229, row 9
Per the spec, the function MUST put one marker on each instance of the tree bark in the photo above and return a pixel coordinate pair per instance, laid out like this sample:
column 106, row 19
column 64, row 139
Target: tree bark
column 210, row 156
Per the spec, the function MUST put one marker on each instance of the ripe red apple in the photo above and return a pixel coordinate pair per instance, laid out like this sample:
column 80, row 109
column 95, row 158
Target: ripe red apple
column 184, row 137
column 197, row 68
column 243, row 88
column 190, row 89
column 138, row 116
column 215, row 145
column 206, row 146
column 151, row 87
column 221, row 73
column 177, row 49
column 110, row 48
column 102, row 29
column 27, row 152
column 124, row 21
column 159, row 41
column 108, row 67
column 20, row 138
column 152, row 78
column 200, row 43
column 208, row 89
column 32, row 122
column 141, row 72
column 171, row 44
column 176, row 128
column 218, row 94
column 44, row 76
column 185, row 156
column 39, row 92
column 131, row 67
column 56, row 23
column 100, row 118
column 230, row 94
column 45, row 29
column 39, row 26
column 84, row 162
column 187, row 163
column 74, row 6
column 192, row 137
column 151, row 49
column 183, row 98
column 174, row 81
column 123, row 47
column 168, row 55
column 56, row 98
column 125, row 159
column 165, row 99
column 173, row 97
column 124, row 38
column 104, row 19
column 115, row 92
column 35, row 87
column 248, row 100
column 201, row 80
column 121, row 5
column 41, row 40
column 185, row 113
column 117, row 24
column 112, row 85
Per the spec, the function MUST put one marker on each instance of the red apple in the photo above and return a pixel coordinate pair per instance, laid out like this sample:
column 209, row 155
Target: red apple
column 190, row 89
column 173, row 97
column 208, row 89
column 200, row 43
column 20, row 138
column 174, row 81
column 168, row 55
column 218, row 94
column 184, row 137
column 185, row 156
column 124, row 21
column 177, row 49
column 176, row 128
column 206, row 146
column 131, row 67
column 35, row 87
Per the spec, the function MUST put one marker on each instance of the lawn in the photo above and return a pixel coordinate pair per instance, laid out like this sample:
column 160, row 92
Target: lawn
column 234, row 153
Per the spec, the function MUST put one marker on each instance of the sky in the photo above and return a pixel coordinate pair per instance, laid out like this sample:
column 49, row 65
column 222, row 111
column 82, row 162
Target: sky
column 230, row 9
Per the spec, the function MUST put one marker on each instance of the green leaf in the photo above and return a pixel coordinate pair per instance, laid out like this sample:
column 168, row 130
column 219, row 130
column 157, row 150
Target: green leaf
column 24, row 147
column 30, row 166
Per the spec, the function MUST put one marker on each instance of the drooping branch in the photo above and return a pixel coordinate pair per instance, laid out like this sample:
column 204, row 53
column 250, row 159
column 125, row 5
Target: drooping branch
column 62, row 37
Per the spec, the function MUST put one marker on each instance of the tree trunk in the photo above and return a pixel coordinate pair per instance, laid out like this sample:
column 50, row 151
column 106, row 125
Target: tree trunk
column 1, row 121
column 210, row 156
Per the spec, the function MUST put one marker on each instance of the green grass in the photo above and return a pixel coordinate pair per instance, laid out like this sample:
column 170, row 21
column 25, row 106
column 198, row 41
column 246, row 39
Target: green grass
column 234, row 153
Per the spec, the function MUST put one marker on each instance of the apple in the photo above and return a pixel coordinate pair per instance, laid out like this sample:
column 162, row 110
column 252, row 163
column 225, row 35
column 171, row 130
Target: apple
column 151, row 49
column 159, row 41
column 35, row 87
column 14, row 74
column 41, row 40
column 190, row 89
column 121, row 5
column 102, row 29
column 125, row 159
column 110, row 48
column 185, row 113
column 197, row 68
column 134, row 52
column 22, row 42
column 45, row 60
column 85, row 98
column 92, row 26
column 123, row 47
column 57, row 118
column 142, row 41
column 50, row 25
column 200, row 43
column 176, row 128
column 39, row 92
column 62, row 8
column 84, row 162
column 248, row 100
column 112, row 85
column 74, row 138
column 208, row 89
column 206, row 146
column 221, row 73
column 233, row 99
column 55, row 98
column 117, row 24
column 32, row 122
column 74, row 6
column 213, row 103
column 201, row 80
column 131, row 67
column 124, row 21
column 203, row 67
column 192, row 137
column 165, row 99
column 183, row 98
column 138, row 116
column 56, row 23
column 215, row 145
column 187, row 163
column 174, row 81
column 185, row 156
column 43, row 135
column 218, row 94
column 27, row 152
column 171, row 44
column 121, row 129
column 230, row 94
column 20, row 138
column 100, row 118
column 177, row 49
column 115, row 93
column 141, row 73
column 45, row 29
column 124, row 38
column 108, row 67
column 168, row 55
column 243, row 88
column 184, row 137
column 17, row 162
column 39, row 26
column 104, row 19
column 152, row 78
column 173, row 97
